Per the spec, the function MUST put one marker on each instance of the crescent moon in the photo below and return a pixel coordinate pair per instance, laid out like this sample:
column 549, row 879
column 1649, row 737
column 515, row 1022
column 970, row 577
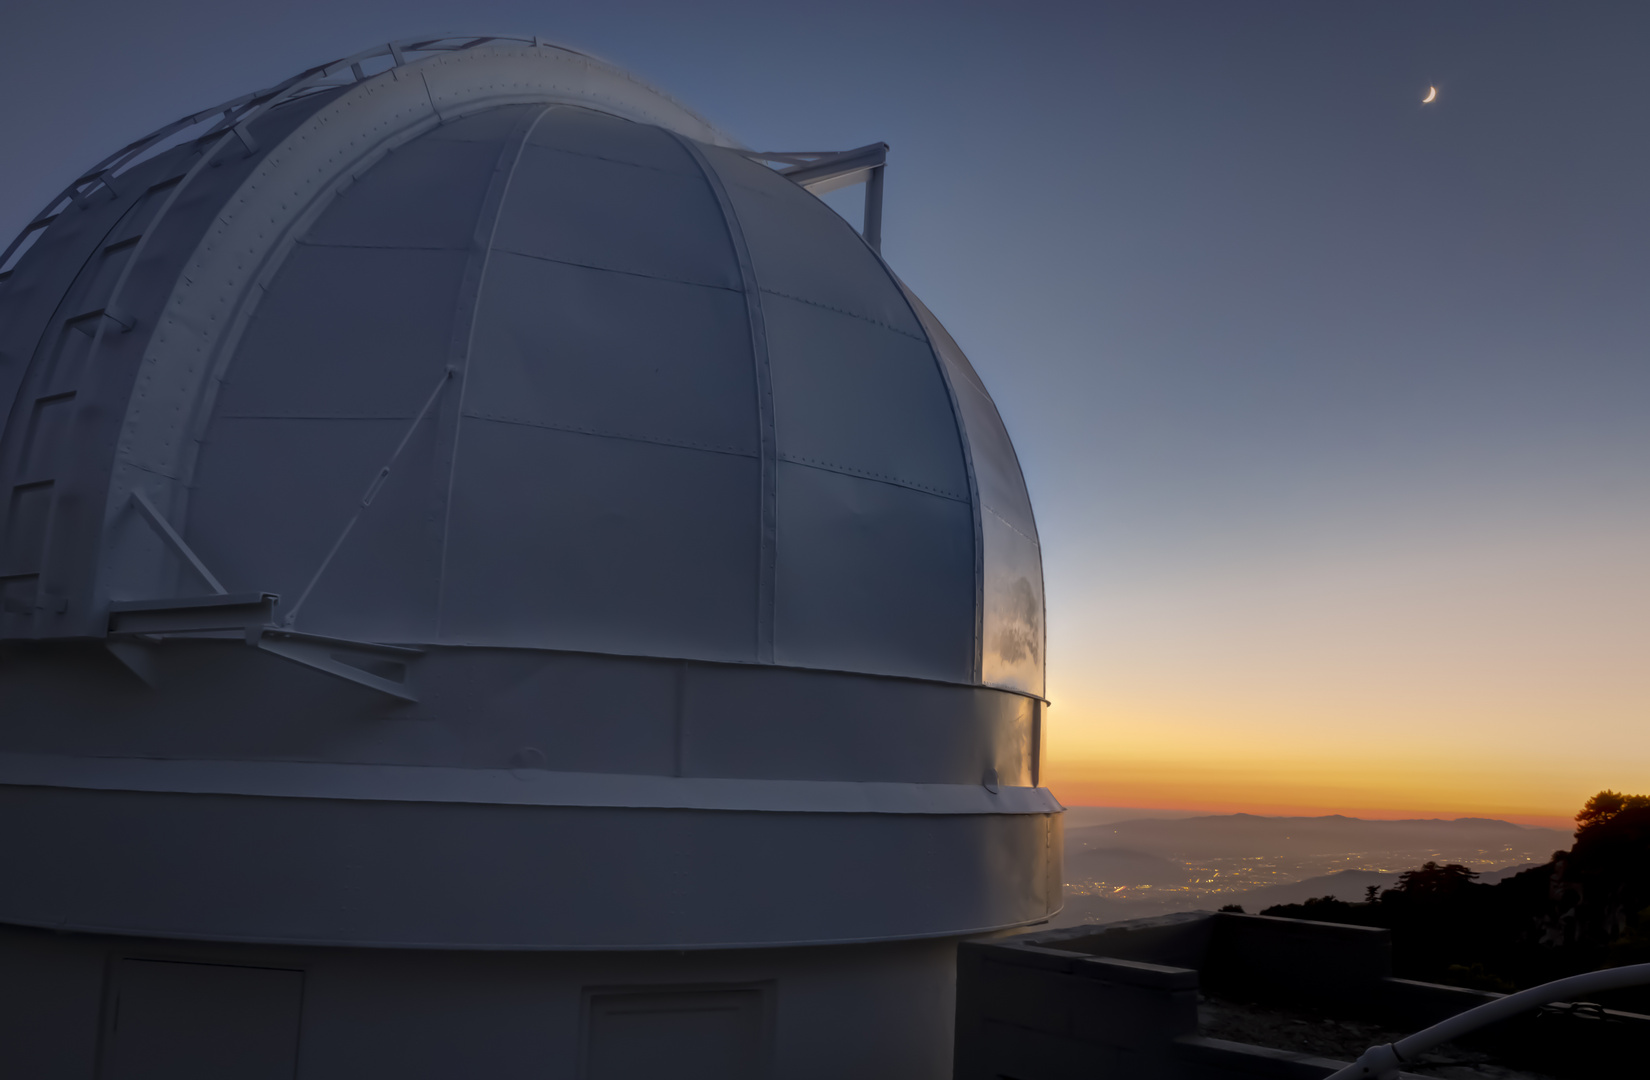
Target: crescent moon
column 1432, row 92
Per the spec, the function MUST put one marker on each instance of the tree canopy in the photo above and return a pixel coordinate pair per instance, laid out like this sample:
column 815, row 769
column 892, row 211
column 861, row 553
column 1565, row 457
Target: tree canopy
column 1587, row 908
column 1604, row 806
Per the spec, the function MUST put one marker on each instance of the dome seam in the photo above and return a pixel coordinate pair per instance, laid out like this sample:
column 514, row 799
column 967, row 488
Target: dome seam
column 767, row 578
column 614, row 270
column 612, row 160
column 850, row 314
column 850, row 470
column 685, row 444
column 462, row 345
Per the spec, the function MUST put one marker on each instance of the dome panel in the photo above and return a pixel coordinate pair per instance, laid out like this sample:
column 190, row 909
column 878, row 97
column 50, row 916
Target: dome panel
column 873, row 577
column 614, row 215
column 565, row 540
column 611, row 354
column 609, row 138
column 425, row 194
column 383, row 582
column 800, row 248
column 853, row 396
column 996, row 465
column 346, row 332
column 831, row 731
column 268, row 530
column 1012, row 630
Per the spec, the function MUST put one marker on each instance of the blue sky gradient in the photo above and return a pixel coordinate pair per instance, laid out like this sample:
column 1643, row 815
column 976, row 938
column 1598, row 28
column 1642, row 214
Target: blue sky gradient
column 1332, row 405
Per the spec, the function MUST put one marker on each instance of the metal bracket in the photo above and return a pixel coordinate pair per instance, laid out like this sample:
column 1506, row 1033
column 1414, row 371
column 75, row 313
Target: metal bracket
column 135, row 626
column 138, row 656
column 147, row 511
column 88, row 323
column 384, row 668
column 821, row 172
column 192, row 614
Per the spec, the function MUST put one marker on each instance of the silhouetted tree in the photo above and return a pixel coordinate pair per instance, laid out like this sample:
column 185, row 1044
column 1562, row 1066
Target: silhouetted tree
column 1605, row 806
column 1588, row 908
column 1434, row 880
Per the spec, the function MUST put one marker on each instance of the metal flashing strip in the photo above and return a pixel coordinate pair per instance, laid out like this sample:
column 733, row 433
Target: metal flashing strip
column 513, row 787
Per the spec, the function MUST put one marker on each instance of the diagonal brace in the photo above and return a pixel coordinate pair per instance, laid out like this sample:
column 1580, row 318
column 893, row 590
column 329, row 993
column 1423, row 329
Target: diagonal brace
column 164, row 530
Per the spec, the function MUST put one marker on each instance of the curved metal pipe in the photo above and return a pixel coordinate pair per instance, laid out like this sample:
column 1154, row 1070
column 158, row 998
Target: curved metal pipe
column 1384, row 1061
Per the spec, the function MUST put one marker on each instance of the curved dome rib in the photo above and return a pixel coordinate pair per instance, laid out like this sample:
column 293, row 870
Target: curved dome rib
column 769, row 517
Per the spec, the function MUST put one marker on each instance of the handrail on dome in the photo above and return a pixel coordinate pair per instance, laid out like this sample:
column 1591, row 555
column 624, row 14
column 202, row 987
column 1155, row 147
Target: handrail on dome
column 237, row 113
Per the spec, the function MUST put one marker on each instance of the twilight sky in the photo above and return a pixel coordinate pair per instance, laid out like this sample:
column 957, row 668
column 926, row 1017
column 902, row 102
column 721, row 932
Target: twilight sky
column 1333, row 405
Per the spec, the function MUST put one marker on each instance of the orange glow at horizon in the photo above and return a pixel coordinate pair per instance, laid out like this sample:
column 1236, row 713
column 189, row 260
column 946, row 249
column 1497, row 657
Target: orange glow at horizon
column 1424, row 669
column 1242, row 788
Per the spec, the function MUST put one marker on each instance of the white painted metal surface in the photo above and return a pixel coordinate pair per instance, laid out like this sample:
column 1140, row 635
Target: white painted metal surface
column 471, row 505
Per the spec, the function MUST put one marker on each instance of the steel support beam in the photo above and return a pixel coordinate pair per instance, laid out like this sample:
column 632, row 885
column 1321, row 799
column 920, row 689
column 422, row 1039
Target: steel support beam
column 821, row 172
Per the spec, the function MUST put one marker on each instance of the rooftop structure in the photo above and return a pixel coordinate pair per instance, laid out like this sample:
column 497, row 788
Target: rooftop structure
column 497, row 579
column 1227, row 996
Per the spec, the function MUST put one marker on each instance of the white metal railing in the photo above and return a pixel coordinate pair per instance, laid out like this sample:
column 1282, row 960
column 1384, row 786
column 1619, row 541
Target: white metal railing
column 1383, row 1062
column 230, row 118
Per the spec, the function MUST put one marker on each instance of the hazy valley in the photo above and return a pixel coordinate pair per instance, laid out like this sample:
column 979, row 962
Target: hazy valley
column 1126, row 867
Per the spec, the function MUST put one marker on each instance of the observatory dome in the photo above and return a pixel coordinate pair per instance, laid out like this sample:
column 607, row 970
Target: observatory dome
column 458, row 499
column 539, row 376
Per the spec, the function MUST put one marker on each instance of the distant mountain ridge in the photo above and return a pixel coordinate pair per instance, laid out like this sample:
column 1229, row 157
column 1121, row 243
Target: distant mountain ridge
column 1242, row 817
column 1243, row 835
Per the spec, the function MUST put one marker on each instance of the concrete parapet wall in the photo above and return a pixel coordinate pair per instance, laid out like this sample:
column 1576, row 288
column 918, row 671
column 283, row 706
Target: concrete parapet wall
column 1027, row 1010
column 1329, row 964
column 1121, row 1000
column 1179, row 940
